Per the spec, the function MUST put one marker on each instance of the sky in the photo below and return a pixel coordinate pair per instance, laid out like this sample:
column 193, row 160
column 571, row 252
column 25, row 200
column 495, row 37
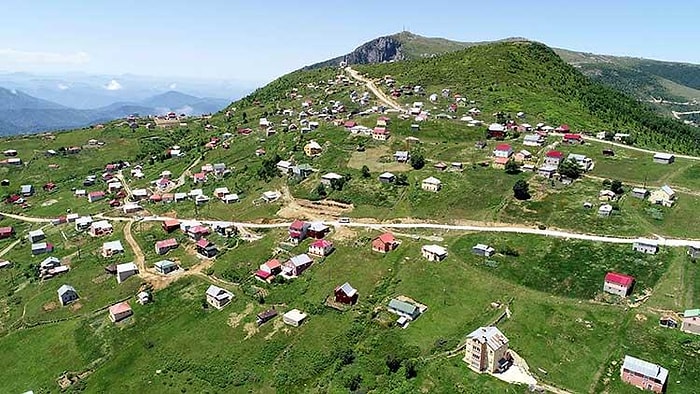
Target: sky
column 257, row 41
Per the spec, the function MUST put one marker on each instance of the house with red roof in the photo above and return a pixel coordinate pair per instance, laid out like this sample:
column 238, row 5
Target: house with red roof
column 267, row 271
column 562, row 128
column 503, row 150
column 170, row 225
column 380, row 133
column 321, row 247
column 154, row 198
column 197, row 232
column 349, row 124
column 298, row 231
column 96, row 196
column 6, row 232
column 570, row 138
column 166, row 245
column 618, row 284
column 384, row 243
column 553, row 158
column 206, row 248
column 119, row 312
column 199, row 177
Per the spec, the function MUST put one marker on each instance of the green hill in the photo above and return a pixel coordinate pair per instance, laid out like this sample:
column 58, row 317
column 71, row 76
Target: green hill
column 644, row 79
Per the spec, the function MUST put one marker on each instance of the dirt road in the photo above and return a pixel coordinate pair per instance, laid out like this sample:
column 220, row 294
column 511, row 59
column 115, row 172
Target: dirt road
column 388, row 101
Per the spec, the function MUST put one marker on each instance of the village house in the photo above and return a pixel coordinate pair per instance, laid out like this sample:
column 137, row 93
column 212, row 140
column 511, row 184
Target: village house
column 522, row 156
column 327, row 179
column 496, row 130
column 640, row 193
column 483, row 250
column 318, row 230
column 170, row 225
column 131, row 207
column 265, row 316
column 197, row 231
column 165, row 267
column 41, row 247
column 312, row 149
column 50, row 267
column 166, row 245
column 96, row 196
column 572, row 139
column 114, row 187
column 668, row 322
column 533, row 140
column 83, row 223
column 206, row 248
column 26, row 190
column 385, row 243
column 101, row 228
column 267, row 271
column 431, row 184
column 402, row 156
column 618, row 284
column 321, row 248
column 111, row 248
column 406, row 311
column 440, row 166
column 285, row 167
column 691, row 321
column 503, row 150
column 119, row 312
column 67, row 294
column 140, row 194
column 230, row 198
column 36, row 236
column 6, row 232
column 296, row 265
column 643, row 374
column 126, row 270
column 302, row 171
column 294, row 318
column 553, row 158
column 199, row 177
column 694, row 251
column 298, row 231
column 664, row 158
column 607, row 195
column 143, row 298
column 584, row 163
column 80, row 193
column 219, row 169
column 380, row 133
column 346, row 294
column 271, row 196
column 664, row 196
column 387, row 177
column 218, row 297
column 487, row 350
column 648, row 246
column 434, row 252
column 605, row 210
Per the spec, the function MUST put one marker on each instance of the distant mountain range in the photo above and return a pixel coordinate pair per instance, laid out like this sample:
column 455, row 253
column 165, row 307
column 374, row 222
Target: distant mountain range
column 22, row 113
column 677, row 84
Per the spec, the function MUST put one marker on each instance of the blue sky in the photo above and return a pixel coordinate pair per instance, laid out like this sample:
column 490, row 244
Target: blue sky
column 260, row 40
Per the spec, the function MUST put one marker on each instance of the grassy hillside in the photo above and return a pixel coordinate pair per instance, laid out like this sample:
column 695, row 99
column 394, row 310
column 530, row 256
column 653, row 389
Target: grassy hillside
column 529, row 77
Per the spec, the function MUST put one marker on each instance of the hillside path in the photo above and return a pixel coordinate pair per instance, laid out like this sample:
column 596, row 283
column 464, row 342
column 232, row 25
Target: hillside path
column 588, row 138
column 374, row 89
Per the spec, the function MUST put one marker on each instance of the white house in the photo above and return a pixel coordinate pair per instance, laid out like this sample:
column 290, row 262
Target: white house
column 218, row 297
column 294, row 317
column 434, row 252
column 648, row 246
column 111, row 248
column 328, row 179
column 664, row 158
column 431, row 184
column 126, row 270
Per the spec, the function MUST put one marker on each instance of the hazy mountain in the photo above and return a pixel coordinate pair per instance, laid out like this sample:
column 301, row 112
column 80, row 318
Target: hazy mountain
column 23, row 113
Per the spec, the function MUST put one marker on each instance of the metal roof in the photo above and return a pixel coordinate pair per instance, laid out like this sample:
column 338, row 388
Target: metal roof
column 645, row 368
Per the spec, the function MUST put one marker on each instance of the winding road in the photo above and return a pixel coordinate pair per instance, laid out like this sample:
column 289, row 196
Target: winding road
column 374, row 89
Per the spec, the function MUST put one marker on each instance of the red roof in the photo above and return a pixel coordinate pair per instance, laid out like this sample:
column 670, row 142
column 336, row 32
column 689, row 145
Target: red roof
column 572, row 136
column 501, row 160
column 297, row 225
column 350, row 123
column 503, row 147
column 564, row 127
column 119, row 308
column 156, row 197
column 555, row 153
column 272, row 264
column 620, row 279
column 96, row 194
column 166, row 243
column 263, row 274
column 5, row 230
column 203, row 243
column 321, row 243
column 387, row 238
column 171, row 223
column 380, row 130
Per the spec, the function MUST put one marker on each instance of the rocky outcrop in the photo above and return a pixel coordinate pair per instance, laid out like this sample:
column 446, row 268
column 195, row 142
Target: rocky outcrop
column 379, row 50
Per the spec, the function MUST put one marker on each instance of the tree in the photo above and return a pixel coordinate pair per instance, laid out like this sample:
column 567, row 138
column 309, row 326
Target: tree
column 321, row 190
column 337, row 184
column 569, row 168
column 607, row 183
column 401, row 180
column 512, row 167
column 616, row 187
column 365, row 172
column 417, row 161
column 410, row 366
column 521, row 190
column 393, row 362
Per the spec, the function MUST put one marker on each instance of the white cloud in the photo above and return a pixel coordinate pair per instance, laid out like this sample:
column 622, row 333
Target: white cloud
column 114, row 85
column 62, row 86
column 173, row 86
column 8, row 55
